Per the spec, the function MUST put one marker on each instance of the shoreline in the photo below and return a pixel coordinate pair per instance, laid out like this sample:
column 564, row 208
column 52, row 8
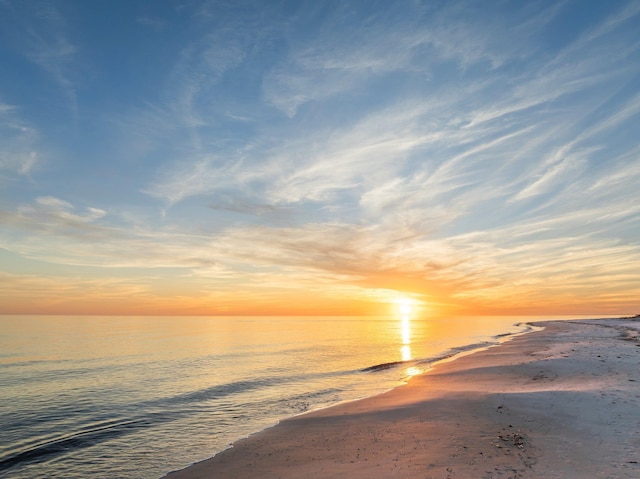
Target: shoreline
column 562, row 402
column 450, row 355
column 424, row 365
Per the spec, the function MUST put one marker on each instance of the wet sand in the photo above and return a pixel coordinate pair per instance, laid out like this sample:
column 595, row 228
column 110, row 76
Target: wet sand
column 559, row 403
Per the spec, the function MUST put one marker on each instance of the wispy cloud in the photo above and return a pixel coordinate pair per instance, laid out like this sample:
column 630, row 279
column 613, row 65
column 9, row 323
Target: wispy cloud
column 41, row 31
column 155, row 23
column 18, row 153
column 517, row 260
column 561, row 169
column 64, row 294
column 320, row 163
column 342, row 60
column 455, row 153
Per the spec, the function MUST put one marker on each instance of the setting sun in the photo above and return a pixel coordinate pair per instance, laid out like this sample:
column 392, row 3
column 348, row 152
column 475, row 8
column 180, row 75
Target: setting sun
column 405, row 306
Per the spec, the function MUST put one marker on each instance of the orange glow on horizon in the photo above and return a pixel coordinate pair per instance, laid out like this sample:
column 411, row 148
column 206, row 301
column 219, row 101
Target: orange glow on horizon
column 83, row 297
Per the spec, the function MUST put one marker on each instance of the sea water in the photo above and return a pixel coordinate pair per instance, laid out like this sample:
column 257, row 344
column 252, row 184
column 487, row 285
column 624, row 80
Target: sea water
column 138, row 397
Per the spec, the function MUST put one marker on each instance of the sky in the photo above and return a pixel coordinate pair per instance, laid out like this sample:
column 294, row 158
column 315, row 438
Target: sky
column 321, row 157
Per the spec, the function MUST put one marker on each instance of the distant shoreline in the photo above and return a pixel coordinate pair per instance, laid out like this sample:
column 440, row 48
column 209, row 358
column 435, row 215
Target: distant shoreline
column 559, row 402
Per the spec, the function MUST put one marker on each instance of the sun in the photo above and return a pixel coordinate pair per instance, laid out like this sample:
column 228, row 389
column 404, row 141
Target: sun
column 405, row 305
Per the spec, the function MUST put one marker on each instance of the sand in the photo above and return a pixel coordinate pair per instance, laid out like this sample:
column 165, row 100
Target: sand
column 559, row 403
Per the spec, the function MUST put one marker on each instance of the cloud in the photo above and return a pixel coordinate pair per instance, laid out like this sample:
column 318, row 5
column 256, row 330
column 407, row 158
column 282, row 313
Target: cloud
column 227, row 37
column 361, row 260
column 322, row 163
column 54, row 211
column 18, row 152
column 155, row 23
column 54, row 230
column 589, row 270
column 609, row 24
column 561, row 168
column 78, row 294
column 199, row 177
column 620, row 114
column 349, row 57
column 202, row 65
column 42, row 33
column 65, row 288
column 620, row 178
column 417, row 150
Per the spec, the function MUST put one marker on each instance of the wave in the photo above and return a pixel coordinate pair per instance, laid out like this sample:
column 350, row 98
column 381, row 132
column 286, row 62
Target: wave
column 447, row 354
column 215, row 392
column 86, row 437
column 426, row 361
column 94, row 433
column 385, row 366
column 167, row 409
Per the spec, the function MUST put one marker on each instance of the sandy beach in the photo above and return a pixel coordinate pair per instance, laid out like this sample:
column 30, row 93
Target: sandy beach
column 563, row 402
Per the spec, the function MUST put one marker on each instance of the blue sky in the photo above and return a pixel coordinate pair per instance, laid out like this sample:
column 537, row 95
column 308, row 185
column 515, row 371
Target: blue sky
column 265, row 157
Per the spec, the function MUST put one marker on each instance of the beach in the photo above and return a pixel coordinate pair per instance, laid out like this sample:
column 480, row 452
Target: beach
column 106, row 396
column 561, row 402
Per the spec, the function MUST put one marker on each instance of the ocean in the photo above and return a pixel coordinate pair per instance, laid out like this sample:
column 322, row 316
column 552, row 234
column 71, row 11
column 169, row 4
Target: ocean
column 138, row 397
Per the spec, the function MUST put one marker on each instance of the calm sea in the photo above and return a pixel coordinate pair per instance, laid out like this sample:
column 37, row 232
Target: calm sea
column 137, row 397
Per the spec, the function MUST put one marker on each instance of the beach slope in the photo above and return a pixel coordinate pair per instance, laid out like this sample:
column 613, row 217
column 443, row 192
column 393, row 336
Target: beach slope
column 563, row 402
